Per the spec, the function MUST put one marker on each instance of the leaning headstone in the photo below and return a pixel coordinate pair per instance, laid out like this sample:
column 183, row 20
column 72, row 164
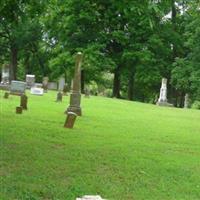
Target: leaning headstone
column 5, row 75
column 6, row 95
column 18, row 110
column 75, row 97
column 90, row 197
column 37, row 91
column 23, row 102
column 17, row 88
column 70, row 120
column 61, row 84
column 52, row 86
column 65, row 89
column 187, row 101
column 59, row 97
column 45, row 84
column 30, row 80
column 162, row 101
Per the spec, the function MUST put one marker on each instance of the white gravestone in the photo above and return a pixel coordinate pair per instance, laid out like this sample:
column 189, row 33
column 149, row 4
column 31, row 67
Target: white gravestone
column 61, row 84
column 30, row 80
column 187, row 101
column 17, row 87
column 163, row 91
column 5, row 75
column 162, row 101
column 37, row 91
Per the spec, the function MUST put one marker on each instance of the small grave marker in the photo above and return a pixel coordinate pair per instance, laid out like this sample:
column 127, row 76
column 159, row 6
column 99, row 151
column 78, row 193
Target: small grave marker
column 59, row 97
column 18, row 110
column 23, row 102
column 70, row 120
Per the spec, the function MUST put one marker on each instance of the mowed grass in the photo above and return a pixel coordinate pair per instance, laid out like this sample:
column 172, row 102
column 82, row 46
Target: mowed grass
column 118, row 149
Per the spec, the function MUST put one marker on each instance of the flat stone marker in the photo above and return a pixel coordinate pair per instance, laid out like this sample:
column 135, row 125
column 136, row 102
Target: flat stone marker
column 70, row 120
column 90, row 197
column 59, row 97
column 6, row 95
column 37, row 91
column 17, row 88
column 30, row 80
column 23, row 102
column 18, row 110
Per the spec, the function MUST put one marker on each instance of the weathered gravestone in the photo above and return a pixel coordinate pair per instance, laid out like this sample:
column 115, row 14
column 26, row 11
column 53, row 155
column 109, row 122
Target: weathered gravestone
column 87, row 92
column 187, row 101
column 162, row 101
column 52, row 86
column 65, row 89
column 59, row 97
column 70, row 120
column 23, row 102
column 45, row 84
column 6, row 95
column 61, row 84
column 75, row 97
column 17, row 88
column 37, row 91
column 18, row 110
column 30, row 80
column 90, row 197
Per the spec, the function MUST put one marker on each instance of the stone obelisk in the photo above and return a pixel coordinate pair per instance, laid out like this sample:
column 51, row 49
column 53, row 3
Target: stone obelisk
column 75, row 96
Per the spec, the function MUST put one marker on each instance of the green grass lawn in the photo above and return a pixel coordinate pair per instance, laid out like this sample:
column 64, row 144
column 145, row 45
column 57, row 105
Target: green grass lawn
column 118, row 149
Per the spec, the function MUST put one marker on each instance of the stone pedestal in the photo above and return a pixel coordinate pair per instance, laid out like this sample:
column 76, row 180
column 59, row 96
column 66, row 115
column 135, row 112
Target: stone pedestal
column 70, row 120
column 23, row 102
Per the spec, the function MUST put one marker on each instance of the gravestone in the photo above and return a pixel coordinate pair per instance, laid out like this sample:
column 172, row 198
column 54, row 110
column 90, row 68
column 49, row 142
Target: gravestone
column 61, row 84
column 23, row 102
column 37, row 91
column 87, row 92
column 45, row 83
column 17, row 88
column 52, row 86
column 30, row 80
column 5, row 75
column 65, row 89
column 59, row 97
column 6, row 95
column 70, row 120
column 75, row 97
column 18, row 110
column 187, row 101
column 162, row 101
column 90, row 197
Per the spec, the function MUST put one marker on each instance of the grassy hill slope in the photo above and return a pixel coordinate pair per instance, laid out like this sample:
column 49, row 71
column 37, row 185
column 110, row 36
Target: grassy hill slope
column 118, row 149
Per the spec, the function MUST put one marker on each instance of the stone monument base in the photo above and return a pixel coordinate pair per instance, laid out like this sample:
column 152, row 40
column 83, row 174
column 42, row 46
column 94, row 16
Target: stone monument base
column 74, row 109
column 164, row 103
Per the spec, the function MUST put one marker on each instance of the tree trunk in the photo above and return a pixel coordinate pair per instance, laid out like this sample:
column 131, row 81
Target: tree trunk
column 131, row 85
column 13, row 64
column 116, row 83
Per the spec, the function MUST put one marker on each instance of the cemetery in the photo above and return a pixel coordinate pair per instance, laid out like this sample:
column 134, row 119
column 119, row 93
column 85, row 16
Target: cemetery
column 100, row 100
